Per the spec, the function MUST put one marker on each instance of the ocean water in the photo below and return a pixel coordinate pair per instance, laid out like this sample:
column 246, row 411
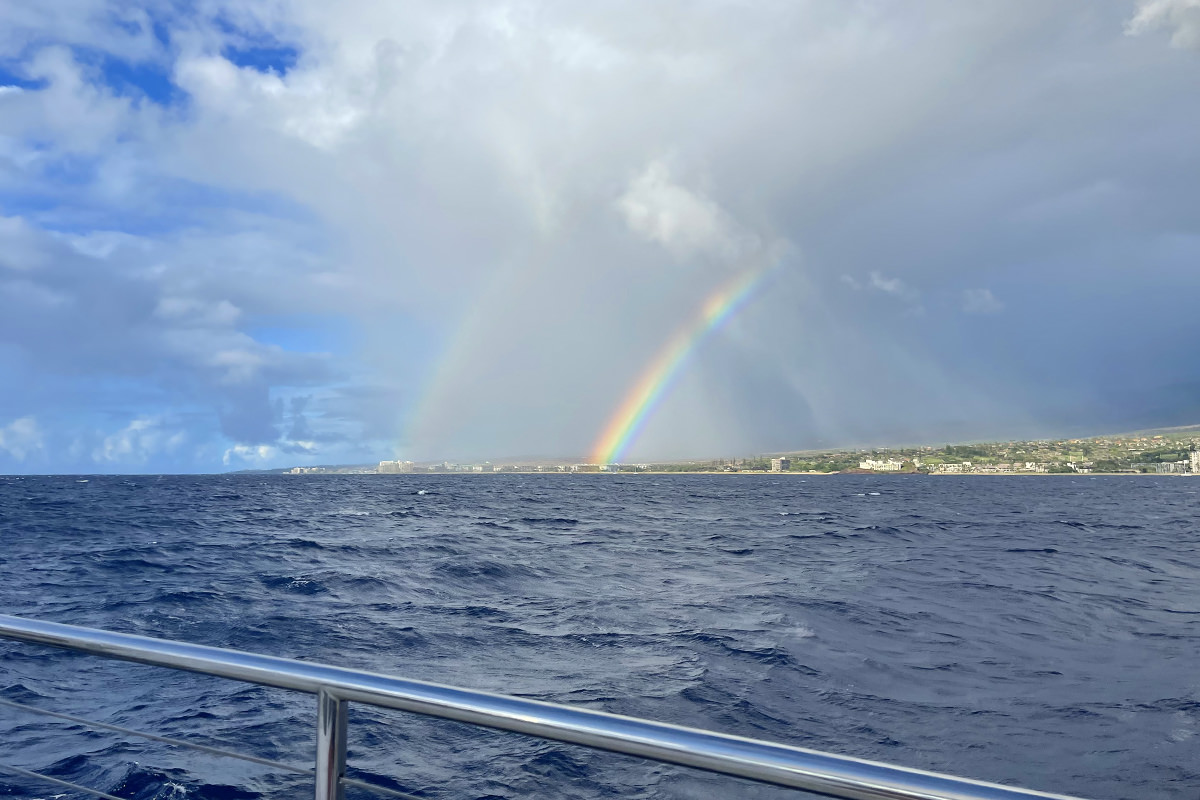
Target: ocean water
column 1043, row 631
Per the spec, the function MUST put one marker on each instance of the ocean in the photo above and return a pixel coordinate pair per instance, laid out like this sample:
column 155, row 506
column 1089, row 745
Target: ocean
column 1043, row 631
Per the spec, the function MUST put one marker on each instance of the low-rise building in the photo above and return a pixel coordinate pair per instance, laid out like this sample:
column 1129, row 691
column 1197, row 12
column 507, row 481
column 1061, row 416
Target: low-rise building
column 888, row 465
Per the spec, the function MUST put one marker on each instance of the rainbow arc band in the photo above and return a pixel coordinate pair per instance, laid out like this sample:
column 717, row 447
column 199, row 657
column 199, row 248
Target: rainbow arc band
column 660, row 374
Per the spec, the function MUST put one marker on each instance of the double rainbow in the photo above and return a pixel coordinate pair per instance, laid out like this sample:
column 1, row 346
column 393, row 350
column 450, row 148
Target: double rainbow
column 661, row 373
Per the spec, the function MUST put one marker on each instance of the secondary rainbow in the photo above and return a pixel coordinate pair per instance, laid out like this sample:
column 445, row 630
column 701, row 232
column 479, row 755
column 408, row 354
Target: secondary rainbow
column 660, row 374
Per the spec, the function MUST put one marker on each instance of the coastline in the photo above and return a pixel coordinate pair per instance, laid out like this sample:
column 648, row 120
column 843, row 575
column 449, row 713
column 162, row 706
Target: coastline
column 814, row 474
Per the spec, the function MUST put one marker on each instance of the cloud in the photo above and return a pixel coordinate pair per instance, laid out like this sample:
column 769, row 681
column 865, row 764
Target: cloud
column 135, row 310
column 23, row 247
column 306, row 107
column 876, row 281
column 21, row 438
column 892, row 286
column 446, row 224
column 684, row 222
column 138, row 442
column 981, row 301
column 1182, row 17
column 243, row 454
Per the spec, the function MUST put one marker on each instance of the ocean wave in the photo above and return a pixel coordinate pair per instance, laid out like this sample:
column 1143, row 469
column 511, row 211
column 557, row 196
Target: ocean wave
column 988, row 630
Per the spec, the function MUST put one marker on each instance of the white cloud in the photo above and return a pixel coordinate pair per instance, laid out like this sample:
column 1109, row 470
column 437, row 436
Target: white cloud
column 119, row 28
column 895, row 288
column 1182, row 17
column 73, row 112
column 138, row 442
column 981, row 301
column 892, row 286
column 21, row 438
column 878, row 282
column 685, row 222
column 305, row 105
column 257, row 455
column 102, row 244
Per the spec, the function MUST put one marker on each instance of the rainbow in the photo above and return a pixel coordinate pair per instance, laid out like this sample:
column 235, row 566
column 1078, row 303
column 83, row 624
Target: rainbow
column 660, row 374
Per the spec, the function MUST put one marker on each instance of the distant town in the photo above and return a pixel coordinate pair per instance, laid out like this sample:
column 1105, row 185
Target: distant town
column 1165, row 452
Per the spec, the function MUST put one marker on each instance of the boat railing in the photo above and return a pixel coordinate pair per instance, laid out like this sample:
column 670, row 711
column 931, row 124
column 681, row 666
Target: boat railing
column 335, row 687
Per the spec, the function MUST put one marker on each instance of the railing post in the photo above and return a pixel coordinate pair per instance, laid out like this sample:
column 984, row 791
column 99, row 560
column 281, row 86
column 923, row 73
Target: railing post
column 331, row 746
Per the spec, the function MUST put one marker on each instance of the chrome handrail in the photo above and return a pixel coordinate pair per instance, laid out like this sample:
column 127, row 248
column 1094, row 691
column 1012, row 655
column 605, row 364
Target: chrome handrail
column 767, row 762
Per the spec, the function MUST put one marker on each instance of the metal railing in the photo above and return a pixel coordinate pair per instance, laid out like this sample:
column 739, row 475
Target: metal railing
column 335, row 687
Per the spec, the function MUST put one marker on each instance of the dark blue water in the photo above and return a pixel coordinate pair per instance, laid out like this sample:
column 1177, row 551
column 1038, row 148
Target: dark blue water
column 1041, row 631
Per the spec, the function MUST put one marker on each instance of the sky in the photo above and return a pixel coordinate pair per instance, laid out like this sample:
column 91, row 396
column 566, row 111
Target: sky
column 242, row 235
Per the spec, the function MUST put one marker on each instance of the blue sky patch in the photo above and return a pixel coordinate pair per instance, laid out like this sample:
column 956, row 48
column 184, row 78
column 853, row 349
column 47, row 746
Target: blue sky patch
column 305, row 333
column 256, row 50
column 146, row 79
column 10, row 75
column 266, row 57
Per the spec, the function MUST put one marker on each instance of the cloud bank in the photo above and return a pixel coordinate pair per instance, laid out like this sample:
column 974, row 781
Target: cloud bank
column 1182, row 17
column 263, row 234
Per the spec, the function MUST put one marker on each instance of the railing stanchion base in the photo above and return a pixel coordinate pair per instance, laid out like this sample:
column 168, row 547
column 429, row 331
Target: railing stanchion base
column 331, row 746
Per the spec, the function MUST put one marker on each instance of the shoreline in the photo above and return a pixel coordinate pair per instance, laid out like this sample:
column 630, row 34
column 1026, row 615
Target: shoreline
column 803, row 474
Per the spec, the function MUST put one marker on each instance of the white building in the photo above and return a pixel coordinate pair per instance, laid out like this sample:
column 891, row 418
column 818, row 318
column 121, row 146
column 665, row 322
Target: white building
column 890, row 465
column 1195, row 461
column 782, row 464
